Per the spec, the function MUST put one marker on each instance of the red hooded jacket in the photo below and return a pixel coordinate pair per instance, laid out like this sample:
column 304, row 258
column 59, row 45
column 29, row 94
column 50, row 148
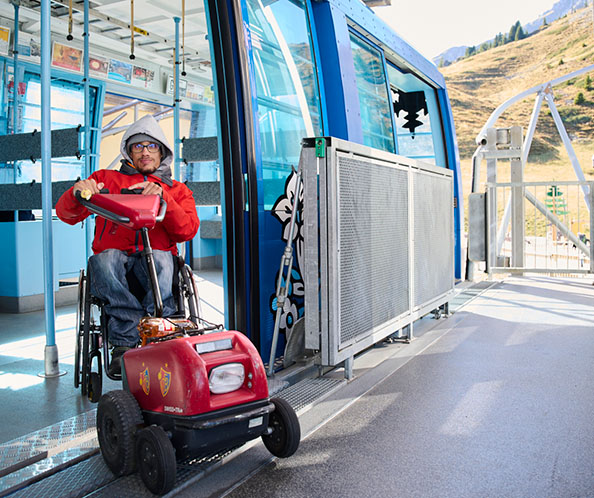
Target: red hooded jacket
column 180, row 223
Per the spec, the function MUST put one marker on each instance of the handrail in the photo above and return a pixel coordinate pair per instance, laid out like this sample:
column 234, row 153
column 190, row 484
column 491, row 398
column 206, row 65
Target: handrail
column 481, row 137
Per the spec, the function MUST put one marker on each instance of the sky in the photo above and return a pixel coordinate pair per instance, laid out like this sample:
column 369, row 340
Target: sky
column 452, row 23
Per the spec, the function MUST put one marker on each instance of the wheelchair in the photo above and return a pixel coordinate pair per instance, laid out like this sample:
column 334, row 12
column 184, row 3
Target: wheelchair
column 91, row 351
column 91, row 354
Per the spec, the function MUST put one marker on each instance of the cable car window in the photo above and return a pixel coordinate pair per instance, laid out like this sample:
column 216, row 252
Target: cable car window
column 286, row 87
column 419, row 131
column 376, row 119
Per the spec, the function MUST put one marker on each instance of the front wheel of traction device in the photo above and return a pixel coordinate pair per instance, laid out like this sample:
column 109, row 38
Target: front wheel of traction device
column 284, row 439
column 118, row 419
column 156, row 460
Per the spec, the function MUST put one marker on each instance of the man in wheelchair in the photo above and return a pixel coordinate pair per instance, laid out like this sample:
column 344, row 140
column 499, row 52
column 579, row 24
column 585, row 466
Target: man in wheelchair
column 117, row 250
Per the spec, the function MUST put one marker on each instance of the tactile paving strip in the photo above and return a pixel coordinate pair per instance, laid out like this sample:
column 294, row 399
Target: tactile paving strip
column 64, row 442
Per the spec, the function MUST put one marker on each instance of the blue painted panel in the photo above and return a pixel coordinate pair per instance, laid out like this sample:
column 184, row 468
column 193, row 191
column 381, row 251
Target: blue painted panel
column 286, row 109
column 360, row 14
column 21, row 247
column 336, row 61
column 69, row 249
column 204, row 248
column 28, row 248
column 318, row 68
column 8, row 268
column 453, row 156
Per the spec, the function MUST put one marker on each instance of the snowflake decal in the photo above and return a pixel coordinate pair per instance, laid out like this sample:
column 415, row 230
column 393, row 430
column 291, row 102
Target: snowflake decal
column 294, row 303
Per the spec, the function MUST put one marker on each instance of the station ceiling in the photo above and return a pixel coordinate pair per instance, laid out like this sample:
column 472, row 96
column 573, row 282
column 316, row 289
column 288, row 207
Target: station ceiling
column 109, row 27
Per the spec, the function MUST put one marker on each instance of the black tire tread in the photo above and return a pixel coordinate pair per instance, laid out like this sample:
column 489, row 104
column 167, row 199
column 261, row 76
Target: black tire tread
column 163, row 478
column 126, row 417
column 285, row 419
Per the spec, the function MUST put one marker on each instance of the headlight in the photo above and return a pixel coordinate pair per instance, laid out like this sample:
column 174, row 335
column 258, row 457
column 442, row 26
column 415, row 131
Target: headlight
column 226, row 378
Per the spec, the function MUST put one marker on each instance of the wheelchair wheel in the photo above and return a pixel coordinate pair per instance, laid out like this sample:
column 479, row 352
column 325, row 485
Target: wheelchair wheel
column 85, row 355
column 190, row 293
column 95, row 387
column 82, row 282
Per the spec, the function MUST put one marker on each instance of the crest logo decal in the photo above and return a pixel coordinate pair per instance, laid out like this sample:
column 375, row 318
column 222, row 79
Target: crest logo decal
column 164, row 381
column 145, row 380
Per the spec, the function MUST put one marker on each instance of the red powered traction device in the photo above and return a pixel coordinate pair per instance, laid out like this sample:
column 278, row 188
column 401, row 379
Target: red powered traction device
column 189, row 390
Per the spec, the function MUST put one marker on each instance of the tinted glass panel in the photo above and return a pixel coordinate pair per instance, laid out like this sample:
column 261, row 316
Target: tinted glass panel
column 418, row 121
column 373, row 95
column 286, row 88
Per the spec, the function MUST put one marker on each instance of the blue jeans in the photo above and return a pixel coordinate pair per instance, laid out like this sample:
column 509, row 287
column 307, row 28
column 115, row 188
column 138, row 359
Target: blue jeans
column 108, row 271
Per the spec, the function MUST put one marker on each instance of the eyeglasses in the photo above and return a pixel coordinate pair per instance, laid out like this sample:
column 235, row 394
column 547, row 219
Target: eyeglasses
column 152, row 147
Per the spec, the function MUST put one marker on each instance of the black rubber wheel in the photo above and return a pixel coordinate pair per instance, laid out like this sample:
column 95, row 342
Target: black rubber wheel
column 156, row 459
column 286, row 431
column 85, row 353
column 82, row 281
column 191, row 294
column 118, row 418
column 95, row 387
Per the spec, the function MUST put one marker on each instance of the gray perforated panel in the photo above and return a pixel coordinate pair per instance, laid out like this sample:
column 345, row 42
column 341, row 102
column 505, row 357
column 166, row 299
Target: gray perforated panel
column 373, row 245
column 433, row 246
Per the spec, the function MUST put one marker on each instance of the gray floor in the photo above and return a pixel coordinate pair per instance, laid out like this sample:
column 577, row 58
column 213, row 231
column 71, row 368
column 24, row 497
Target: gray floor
column 496, row 400
column 501, row 405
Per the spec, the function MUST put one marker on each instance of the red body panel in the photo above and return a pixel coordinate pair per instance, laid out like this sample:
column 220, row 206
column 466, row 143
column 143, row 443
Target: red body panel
column 171, row 377
column 141, row 209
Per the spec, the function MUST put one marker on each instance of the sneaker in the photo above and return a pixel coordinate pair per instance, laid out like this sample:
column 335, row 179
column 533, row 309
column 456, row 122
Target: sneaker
column 115, row 365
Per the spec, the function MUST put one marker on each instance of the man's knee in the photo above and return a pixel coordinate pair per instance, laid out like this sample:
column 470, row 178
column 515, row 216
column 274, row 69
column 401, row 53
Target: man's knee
column 108, row 261
column 164, row 266
column 107, row 270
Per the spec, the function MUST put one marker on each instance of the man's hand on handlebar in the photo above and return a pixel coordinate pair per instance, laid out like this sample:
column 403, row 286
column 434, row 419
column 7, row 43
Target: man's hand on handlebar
column 148, row 188
column 87, row 188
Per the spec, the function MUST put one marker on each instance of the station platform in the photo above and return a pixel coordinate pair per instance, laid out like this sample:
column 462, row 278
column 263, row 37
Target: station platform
column 494, row 400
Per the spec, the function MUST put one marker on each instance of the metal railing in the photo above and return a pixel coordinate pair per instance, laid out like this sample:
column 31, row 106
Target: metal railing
column 557, row 226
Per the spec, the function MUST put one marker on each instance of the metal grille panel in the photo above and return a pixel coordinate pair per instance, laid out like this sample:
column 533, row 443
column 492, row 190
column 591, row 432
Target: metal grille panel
column 433, row 249
column 373, row 245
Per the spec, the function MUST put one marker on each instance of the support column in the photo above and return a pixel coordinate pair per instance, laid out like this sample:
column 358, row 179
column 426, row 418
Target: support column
column 492, row 201
column 15, row 88
column 87, row 98
column 51, row 350
column 591, row 194
column 176, row 101
column 15, row 74
column 517, row 199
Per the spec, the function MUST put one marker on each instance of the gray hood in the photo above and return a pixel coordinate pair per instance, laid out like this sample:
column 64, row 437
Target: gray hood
column 148, row 126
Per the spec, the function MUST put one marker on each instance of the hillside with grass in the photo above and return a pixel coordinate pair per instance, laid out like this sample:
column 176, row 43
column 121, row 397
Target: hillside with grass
column 480, row 83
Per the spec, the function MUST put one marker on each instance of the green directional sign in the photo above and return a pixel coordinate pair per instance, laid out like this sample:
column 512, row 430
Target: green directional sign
column 555, row 201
